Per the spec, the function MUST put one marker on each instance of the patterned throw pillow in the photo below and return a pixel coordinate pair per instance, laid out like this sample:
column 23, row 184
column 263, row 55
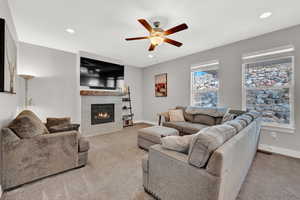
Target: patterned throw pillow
column 254, row 114
column 228, row 116
column 245, row 118
column 237, row 124
column 176, row 115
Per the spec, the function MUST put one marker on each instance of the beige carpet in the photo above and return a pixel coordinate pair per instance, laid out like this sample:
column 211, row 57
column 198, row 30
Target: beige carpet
column 114, row 173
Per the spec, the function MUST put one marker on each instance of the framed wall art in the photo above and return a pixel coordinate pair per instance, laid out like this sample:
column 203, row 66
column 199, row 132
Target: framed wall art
column 8, row 60
column 161, row 85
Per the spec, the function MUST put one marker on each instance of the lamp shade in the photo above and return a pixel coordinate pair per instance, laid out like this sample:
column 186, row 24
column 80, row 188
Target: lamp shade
column 26, row 76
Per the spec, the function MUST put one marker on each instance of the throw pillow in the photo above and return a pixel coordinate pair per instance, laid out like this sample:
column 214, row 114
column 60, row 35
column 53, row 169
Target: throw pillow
column 26, row 127
column 228, row 116
column 254, row 114
column 235, row 124
column 242, row 122
column 187, row 117
column 204, row 119
column 33, row 116
column 177, row 143
column 214, row 112
column 207, row 141
column 245, row 118
column 58, row 121
column 176, row 115
column 63, row 128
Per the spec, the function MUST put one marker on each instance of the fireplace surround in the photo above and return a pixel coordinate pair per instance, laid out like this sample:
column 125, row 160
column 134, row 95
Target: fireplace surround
column 101, row 112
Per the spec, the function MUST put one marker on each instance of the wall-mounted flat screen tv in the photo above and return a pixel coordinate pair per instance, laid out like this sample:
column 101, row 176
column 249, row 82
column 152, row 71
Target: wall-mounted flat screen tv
column 101, row 75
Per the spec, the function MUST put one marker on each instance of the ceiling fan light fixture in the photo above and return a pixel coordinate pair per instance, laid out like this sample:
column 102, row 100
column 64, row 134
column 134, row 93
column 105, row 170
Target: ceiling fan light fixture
column 157, row 37
column 156, row 40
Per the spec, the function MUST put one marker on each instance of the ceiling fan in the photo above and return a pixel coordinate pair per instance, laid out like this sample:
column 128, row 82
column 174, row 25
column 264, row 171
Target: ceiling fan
column 157, row 35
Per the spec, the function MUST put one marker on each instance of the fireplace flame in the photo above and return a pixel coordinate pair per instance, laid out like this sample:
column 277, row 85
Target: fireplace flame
column 103, row 115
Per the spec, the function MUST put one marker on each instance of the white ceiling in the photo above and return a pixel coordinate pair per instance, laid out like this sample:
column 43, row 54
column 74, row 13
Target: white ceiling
column 102, row 25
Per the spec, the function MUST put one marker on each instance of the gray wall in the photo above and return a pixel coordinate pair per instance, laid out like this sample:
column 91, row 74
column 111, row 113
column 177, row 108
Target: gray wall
column 8, row 102
column 134, row 79
column 230, row 79
column 55, row 89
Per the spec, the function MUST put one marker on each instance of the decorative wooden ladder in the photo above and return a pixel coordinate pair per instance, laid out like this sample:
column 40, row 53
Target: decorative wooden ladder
column 127, row 106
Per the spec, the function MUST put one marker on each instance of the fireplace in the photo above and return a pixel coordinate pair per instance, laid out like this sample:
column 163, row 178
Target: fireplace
column 102, row 113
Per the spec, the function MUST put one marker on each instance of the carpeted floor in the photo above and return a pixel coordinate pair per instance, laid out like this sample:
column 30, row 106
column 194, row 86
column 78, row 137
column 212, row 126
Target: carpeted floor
column 114, row 173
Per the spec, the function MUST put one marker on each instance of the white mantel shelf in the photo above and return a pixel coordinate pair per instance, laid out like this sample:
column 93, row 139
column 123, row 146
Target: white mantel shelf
column 100, row 93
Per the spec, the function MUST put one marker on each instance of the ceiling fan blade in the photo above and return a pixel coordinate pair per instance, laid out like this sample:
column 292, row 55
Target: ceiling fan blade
column 173, row 42
column 152, row 47
column 175, row 29
column 137, row 38
column 145, row 24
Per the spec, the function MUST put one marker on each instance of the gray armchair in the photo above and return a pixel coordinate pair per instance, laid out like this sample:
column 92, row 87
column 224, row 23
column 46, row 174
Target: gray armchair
column 31, row 158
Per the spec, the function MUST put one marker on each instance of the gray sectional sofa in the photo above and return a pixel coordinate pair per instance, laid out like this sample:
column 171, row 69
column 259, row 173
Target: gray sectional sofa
column 194, row 121
column 30, row 152
column 215, row 167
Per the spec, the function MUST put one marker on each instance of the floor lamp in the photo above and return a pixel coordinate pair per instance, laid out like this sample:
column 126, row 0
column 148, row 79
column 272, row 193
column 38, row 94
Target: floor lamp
column 26, row 78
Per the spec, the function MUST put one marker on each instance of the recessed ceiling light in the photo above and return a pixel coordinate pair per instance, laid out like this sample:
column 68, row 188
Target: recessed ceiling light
column 71, row 31
column 150, row 56
column 265, row 15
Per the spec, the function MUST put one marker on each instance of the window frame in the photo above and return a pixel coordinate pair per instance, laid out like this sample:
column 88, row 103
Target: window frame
column 271, row 125
column 211, row 65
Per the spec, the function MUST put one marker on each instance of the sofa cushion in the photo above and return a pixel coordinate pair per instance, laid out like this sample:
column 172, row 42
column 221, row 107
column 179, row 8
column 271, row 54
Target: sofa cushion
column 245, row 118
column 204, row 119
column 242, row 122
column 27, row 125
column 214, row 112
column 63, row 127
column 57, row 121
column 253, row 113
column 218, row 120
column 237, row 124
column 228, row 116
column 192, row 128
column 177, row 143
column 84, row 145
column 187, row 117
column 176, row 115
column 207, row 141
column 185, row 127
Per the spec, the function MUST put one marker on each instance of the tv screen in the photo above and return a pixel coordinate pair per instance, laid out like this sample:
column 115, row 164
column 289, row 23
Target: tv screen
column 101, row 75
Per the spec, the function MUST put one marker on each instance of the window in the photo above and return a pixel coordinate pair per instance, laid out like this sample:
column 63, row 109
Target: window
column 268, row 88
column 205, row 84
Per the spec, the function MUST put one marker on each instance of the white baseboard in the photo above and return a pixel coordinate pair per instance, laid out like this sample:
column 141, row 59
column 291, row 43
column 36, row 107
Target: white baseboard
column 279, row 150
